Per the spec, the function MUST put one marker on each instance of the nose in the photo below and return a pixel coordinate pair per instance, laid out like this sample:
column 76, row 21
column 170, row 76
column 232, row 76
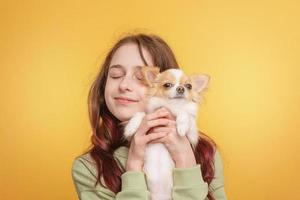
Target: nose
column 180, row 90
column 125, row 84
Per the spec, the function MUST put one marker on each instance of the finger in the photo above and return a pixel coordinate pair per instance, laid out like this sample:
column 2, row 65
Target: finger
column 159, row 129
column 172, row 123
column 144, row 128
column 164, row 109
column 170, row 116
column 157, row 114
column 155, row 136
column 158, row 140
column 158, row 122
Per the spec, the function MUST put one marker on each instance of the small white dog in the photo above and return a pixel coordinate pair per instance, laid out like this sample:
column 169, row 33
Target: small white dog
column 180, row 94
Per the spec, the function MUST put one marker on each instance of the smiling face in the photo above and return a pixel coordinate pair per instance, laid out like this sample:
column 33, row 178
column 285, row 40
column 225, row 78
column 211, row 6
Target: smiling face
column 124, row 81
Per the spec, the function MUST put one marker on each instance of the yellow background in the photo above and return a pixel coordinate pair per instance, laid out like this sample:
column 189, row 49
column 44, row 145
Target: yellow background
column 50, row 52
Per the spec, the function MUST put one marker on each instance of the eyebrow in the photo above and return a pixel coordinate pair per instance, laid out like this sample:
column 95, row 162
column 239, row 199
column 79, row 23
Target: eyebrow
column 122, row 67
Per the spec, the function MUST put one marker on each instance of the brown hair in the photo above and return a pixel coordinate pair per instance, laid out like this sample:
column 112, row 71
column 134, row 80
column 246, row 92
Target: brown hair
column 107, row 136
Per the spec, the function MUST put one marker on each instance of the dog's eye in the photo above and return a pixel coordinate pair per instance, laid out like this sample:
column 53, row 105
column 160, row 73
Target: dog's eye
column 168, row 85
column 188, row 86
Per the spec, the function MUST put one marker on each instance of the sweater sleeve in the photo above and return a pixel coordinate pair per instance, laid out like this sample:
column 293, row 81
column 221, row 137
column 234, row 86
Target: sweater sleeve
column 188, row 183
column 133, row 184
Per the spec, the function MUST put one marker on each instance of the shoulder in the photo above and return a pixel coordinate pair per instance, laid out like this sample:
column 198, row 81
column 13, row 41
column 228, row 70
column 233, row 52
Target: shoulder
column 218, row 159
column 84, row 165
column 84, row 175
column 218, row 180
column 85, row 158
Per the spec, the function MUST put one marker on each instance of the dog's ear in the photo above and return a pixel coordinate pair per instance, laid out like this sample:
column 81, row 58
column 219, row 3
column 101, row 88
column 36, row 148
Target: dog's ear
column 150, row 74
column 199, row 82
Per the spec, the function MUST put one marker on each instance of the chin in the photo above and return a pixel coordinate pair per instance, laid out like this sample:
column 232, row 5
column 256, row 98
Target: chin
column 127, row 117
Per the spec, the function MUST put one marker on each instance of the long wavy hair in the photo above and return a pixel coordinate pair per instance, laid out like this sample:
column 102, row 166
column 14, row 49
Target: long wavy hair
column 106, row 133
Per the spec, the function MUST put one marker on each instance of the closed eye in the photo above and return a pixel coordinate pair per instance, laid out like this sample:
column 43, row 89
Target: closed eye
column 115, row 73
column 115, row 77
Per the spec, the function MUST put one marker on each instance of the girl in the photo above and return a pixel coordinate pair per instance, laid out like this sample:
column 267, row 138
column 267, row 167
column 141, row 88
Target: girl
column 112, row 167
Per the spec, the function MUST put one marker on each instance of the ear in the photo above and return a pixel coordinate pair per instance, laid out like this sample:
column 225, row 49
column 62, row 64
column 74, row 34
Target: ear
column 199, row 82
column 150, row 74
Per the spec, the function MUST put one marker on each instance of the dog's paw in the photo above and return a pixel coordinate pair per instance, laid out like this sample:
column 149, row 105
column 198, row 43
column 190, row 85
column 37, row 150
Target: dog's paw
column 192, row 134
column 182, row 129
column 193, row 137
column 182, row 124
column 133, row 124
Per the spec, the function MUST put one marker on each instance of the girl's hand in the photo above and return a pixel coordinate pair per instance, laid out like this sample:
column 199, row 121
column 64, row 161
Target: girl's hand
column 140, row 139
column 179, row 147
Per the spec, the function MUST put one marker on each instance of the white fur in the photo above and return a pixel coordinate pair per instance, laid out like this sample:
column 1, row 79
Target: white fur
column 158, row 164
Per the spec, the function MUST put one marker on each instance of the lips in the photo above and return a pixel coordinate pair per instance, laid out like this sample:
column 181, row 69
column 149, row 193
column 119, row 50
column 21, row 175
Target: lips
column 122, row 98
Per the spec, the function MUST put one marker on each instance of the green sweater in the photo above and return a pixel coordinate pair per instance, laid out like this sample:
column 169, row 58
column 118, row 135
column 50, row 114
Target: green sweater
column 188, row 183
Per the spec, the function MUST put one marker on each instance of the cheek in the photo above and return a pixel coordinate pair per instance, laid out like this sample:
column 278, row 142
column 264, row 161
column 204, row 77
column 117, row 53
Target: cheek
column 109, row 89
column 111, row 85
column 169, row 92
column 142, row 94
column 143, row 97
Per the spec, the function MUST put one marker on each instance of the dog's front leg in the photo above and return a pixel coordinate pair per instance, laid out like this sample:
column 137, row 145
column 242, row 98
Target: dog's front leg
column 182, row 123
column 133, row 125
column 192, row 134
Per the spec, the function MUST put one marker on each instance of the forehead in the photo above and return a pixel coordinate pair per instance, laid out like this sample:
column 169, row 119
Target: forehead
column 173, row 75
column 128, row 56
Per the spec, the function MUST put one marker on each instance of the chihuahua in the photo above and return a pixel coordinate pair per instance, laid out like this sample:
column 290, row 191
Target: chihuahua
column 181, row 94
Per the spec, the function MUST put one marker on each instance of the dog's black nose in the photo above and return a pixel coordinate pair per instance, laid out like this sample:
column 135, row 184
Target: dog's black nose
column 180, row 90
